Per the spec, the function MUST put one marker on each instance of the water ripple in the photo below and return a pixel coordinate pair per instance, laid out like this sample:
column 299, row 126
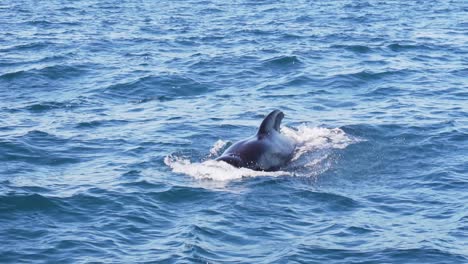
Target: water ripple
column 156, row 87
column 111, row 116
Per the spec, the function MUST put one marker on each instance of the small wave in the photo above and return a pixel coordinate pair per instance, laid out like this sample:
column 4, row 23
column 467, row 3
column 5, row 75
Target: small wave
column 181, row 194
column 164, row 87
column 357, row 230
column 334, row 201
column 288, row 83
column 384, row 92
column 56, row 58
column 29, row 202
column 35, row 46
column 362, row 77
column 255, row 32
column 68, row 8
column 304, row 18
column 407, row 47
column 50, row 24
column 41, row 107
column 290, row 36
column 369, row 75
column 43, row 23
column 358, row 5
column 282, row 61
column 54, row 72
column 142, row 184
column 62, row 71
column 53, row 105
column 460, row 72
column 12, row 75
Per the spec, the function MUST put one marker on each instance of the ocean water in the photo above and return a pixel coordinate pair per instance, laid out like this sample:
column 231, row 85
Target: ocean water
column 112, row 112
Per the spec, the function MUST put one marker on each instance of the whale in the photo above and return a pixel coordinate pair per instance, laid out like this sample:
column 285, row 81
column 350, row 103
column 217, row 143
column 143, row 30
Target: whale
column 267, row 150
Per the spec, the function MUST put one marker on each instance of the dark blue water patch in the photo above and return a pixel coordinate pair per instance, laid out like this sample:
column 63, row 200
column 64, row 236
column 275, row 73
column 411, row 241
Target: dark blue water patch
column 100, row 123
column 45, row 106
column 10, row 204
column 304, row 19
column 291, row 37
column 357, row 230
column 385, row 92
column 62, row 72
column 460, row 72
column 358, row 6
column 27, row 234
column 144, row 55
column 354, row 48
column 370, row 76
column 454, row 136
column 143, row 184
column 459, row 96
column 12, row 189
column 397, row 47
column 67, row 9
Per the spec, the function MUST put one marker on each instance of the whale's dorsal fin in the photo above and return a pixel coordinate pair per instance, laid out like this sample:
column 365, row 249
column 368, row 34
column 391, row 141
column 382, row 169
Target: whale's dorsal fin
column 271, row 122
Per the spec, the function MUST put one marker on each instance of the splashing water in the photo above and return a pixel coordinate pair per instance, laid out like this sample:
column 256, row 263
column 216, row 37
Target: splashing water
column 217, row 147
column 215, row 170
column 317, row 138
column 319, row 141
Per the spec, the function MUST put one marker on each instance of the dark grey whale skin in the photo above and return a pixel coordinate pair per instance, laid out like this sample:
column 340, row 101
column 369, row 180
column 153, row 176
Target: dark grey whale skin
column 268, row 150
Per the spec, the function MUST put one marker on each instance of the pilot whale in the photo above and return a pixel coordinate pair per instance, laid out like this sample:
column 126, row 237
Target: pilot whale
column 268, row 150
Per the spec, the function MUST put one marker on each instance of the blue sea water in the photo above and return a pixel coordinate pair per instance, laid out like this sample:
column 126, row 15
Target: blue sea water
column 112, row 111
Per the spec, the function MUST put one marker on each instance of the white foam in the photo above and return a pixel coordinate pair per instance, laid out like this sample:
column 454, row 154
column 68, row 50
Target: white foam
column 318, row 140
column 215, row 170
column 310, row 139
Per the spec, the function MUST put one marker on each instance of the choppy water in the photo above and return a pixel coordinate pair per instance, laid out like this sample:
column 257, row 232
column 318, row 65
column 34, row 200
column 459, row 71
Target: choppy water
column 111, row 113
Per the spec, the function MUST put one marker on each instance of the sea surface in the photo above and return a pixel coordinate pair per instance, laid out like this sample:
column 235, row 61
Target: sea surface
column 111, row 113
